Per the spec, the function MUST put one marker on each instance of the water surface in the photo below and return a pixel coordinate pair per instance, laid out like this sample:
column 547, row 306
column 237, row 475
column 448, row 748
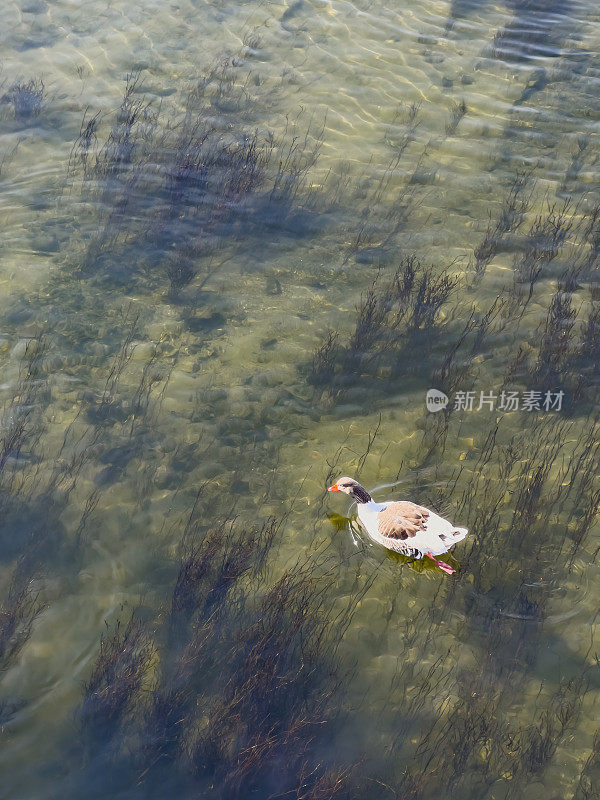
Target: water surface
column 240, row 243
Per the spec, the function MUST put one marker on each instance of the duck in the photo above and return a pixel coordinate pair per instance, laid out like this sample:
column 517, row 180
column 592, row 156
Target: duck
column 402, row 526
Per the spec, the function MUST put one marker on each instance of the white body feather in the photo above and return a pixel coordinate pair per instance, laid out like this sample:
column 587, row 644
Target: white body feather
column 438, row 536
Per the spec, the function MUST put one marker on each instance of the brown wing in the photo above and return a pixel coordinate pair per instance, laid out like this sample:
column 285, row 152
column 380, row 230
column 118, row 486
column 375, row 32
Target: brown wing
column 402, row 520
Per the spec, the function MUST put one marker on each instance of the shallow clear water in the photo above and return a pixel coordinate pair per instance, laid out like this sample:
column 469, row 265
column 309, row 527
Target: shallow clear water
column 248, row 177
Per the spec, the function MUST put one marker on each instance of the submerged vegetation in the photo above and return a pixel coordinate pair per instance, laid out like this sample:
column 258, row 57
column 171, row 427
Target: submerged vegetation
column 542, row 244
column 391, row 321
column 24, row 100
column 192, row 186
column 458, row 112
column 514, row 207
column 245, row 695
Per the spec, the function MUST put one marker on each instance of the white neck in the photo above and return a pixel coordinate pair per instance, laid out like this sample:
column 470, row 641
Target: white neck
column 371, row 506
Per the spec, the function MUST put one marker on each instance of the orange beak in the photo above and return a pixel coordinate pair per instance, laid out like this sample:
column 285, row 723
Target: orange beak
column 333, row 488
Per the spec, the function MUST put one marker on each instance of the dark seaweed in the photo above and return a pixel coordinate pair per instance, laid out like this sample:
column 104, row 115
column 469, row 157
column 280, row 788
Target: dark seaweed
column 470, row 743
column 117, row 680
column 390, row 321
column 191, row 186
column 542, row 244
column 512, row 213
column 458, row 111
column 553, row 354
column 26, row 99
column 577, row 161
column 18, row 611
column 247, row 686
column 408, row 120
column 589, row 782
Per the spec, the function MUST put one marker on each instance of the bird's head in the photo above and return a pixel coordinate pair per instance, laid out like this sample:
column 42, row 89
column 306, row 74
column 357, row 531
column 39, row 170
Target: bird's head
column 352, row 488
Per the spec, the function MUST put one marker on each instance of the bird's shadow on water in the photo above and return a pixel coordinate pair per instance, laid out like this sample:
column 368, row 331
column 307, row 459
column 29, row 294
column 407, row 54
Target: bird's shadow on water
column 357, row 535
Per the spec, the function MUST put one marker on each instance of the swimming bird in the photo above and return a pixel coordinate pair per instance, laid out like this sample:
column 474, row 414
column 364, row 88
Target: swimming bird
column 402, row 526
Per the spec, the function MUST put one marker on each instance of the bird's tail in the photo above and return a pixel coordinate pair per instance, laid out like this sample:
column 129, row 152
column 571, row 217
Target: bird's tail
column 458, row 534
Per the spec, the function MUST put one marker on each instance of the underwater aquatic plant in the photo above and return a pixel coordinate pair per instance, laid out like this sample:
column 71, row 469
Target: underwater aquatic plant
column 26, row 99
column 293, row 156
column 85, row 147
column 553, row 352
column 325, row 359
column 576, row 490
column 20, row 419
column 31, row 498
column 536, row 745
column 368, row 335
column 279, row 697
column 113, row 177
column 211, row 566
column 467, row 740
column 577, row 161
column 389, row 320
column 6, row 156
column 407, row 119
column 453, row 372
column 190, row 185
column 115, row 402
column 514, row 207
column 19, row 608
column 458, row 111
column 589, row 780
column 590, row 343
column 18, row 611
column 591, row 235
column 432, row 292
column 249, row 686
column 119, row 676
column 225, row 87
column 423, row 175
column 557, row 350
column 374, row 234
column 132, row 128
column 180, row 272
column 542, row 244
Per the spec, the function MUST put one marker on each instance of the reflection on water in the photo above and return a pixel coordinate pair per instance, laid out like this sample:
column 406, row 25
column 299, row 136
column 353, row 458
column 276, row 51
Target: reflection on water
column 241, row 242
